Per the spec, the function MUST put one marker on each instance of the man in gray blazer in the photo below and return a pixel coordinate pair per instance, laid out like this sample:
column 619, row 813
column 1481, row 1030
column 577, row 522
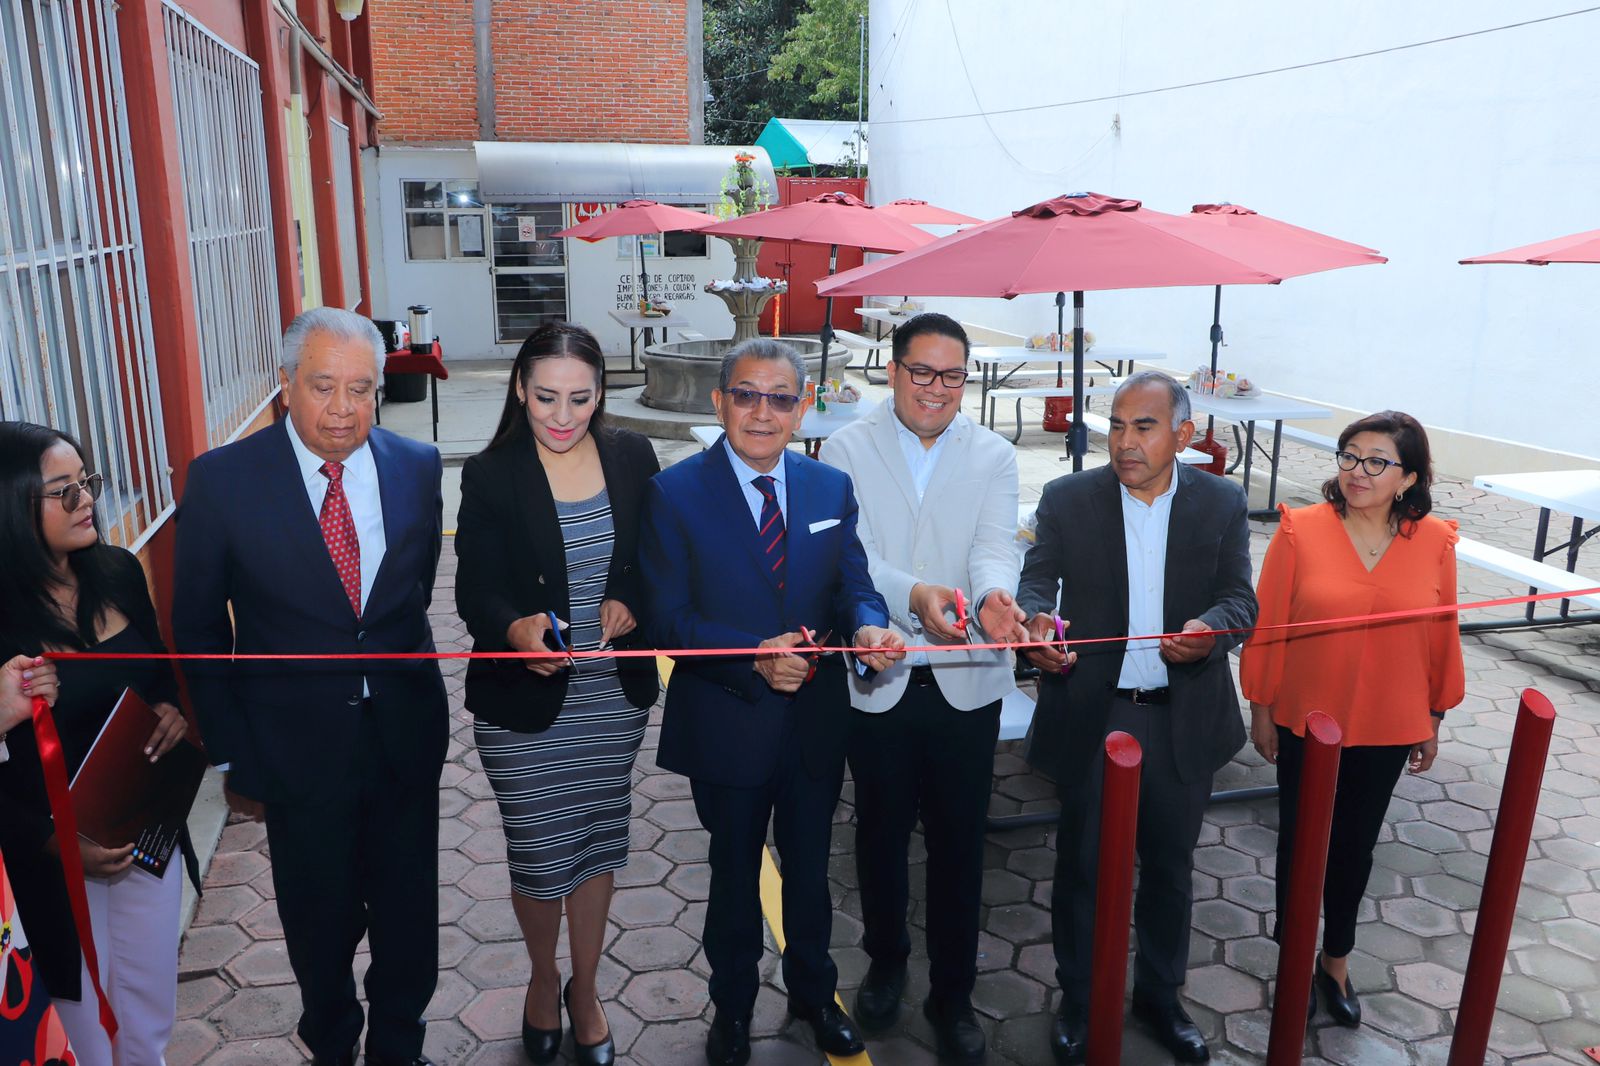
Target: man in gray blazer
column 938, row 498
column 1144, row 545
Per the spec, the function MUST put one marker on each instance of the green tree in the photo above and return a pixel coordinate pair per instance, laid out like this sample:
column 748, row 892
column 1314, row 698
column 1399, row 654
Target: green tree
column 822, row 52
column 741, row 39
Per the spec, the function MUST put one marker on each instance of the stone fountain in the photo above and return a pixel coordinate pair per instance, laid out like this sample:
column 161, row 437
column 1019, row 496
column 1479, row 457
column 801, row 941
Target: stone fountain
column 681, row 375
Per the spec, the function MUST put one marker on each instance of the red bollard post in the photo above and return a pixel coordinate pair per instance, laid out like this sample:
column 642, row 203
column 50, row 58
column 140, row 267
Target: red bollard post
column 1319, row 778
column 1113, row 900
column 1508, row 852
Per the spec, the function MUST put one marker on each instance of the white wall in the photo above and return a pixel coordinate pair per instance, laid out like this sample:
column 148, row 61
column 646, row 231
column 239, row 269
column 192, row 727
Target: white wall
column 1430, row 154
column 461, row 294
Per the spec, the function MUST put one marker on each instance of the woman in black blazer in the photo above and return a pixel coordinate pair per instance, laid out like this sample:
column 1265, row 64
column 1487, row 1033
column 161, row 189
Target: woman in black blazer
column 549, row 527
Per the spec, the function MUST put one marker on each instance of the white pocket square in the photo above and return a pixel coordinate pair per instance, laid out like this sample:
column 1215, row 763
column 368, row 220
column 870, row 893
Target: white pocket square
column 826, row 523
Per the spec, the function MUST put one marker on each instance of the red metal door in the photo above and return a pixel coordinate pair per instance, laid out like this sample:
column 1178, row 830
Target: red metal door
column 803, row 265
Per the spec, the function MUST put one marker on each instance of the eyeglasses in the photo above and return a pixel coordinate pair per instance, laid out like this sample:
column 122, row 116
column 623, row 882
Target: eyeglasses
column 924, row 375
column 1374, row 465
column 72, row 493
column 780, row 402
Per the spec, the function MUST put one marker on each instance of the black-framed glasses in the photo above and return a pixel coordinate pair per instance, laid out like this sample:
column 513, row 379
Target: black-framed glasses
column 780, row 402
column 72, row 493
column 1374, row 465
column 924, row 375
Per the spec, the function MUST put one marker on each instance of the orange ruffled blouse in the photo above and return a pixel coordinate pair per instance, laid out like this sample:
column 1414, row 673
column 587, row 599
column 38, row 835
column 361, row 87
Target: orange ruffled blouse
column 1378, row 681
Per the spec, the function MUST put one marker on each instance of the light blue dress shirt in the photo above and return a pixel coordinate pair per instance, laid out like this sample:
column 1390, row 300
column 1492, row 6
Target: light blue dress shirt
column 1144, row 528
column 922, row 462
column 746, row 474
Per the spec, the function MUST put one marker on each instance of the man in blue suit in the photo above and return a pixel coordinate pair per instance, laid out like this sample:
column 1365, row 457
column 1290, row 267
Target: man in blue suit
column 320, row 534
column 749, row 544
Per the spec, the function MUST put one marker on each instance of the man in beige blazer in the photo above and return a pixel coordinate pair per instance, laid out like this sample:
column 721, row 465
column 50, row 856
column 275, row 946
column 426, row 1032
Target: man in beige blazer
column 938, row 499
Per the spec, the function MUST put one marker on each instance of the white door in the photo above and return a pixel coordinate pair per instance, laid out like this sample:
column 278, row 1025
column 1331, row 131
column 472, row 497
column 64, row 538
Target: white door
column 529, row 268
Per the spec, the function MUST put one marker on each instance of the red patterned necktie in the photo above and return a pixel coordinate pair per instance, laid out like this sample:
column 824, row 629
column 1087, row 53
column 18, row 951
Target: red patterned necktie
column 771, row 526
column 339, row 533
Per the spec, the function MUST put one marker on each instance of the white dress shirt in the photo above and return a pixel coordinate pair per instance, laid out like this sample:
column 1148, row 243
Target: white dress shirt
column 360, row 490
column 921, row 461
column 1144, row 528
column 746, row 474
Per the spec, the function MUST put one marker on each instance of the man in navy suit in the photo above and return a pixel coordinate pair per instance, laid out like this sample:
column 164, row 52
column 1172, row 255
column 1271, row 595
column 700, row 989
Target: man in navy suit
column 749, row 544
column 322, row 535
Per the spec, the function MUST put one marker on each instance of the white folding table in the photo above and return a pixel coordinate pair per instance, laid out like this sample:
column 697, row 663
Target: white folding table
column 1247, row 412
column 1571, row 492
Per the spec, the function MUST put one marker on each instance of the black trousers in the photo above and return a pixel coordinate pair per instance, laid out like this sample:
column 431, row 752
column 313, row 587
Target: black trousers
column 363, row 861
column 1367, row 776
column 924, row 757
column 1170, row 815
column 800, row 808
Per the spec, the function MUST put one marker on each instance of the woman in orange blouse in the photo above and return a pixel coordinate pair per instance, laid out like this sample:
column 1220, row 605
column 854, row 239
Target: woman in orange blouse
column 1372, row 547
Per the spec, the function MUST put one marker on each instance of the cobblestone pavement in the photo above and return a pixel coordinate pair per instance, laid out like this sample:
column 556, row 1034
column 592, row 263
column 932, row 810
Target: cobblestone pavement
column 238, row 1003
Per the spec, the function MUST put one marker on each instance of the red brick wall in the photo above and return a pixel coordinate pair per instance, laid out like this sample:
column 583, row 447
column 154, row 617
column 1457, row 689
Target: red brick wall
column 565, row 70
column 424, row 70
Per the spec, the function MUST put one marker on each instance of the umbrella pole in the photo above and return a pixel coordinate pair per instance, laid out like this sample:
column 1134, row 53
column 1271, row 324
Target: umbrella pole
column 1216, row 341
column 826, row 335
column 644, row 278
column 1080, row 432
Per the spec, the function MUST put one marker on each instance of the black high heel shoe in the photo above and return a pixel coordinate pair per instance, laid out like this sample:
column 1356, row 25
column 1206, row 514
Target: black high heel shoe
column 1344, row 1006
column 602, row 1054
column 541, row 1045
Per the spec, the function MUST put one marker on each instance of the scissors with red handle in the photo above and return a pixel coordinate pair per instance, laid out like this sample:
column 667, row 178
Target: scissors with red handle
column 962, row 620
column 811, row 641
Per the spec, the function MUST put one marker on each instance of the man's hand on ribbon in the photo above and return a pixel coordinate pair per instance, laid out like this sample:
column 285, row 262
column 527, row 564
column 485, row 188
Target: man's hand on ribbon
column 1050, row 658
column 1189, row 649
column 928, row 603
column 783, row 671
column 529, row 633
column 878, row 647
column 1001, row 619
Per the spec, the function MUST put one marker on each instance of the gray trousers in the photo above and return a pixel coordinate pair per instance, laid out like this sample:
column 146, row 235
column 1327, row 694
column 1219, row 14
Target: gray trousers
column 1170, row 815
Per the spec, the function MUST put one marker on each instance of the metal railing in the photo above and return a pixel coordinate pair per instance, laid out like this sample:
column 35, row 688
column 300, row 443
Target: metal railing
column 216, row 93
column 76, row 351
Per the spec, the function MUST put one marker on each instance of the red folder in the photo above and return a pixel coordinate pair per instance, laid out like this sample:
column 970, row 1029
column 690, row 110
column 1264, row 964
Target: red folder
column 120, row 797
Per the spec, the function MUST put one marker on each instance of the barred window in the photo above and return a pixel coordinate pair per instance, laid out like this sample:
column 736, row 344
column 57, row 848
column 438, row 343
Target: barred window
column 75, row 343
column 216, row 93
column 444, row 220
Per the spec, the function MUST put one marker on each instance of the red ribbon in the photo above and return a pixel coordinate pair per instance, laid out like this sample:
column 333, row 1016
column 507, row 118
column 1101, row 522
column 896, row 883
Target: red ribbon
column 57, row 788
column 1362, row 620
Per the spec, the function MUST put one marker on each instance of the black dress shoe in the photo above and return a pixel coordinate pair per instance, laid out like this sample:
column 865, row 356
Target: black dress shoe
column 1069, row 1036
column 728, row 1042
column 1173, row 1027
column 878, row 998
column 956, row 1031
column 603, row 1053
column 835, row 1032
column 541, row 1045
column 1344, row 1006
column 347, row 1059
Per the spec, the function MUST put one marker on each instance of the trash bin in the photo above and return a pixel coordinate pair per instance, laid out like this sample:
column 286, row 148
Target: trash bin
column 405, row 388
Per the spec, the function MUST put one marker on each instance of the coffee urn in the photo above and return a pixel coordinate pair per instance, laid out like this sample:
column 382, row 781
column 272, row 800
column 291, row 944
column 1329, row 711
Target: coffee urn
column 421, row 329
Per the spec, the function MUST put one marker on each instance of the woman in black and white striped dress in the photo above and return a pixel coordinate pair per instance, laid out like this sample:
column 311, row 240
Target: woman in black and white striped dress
column 549, row 529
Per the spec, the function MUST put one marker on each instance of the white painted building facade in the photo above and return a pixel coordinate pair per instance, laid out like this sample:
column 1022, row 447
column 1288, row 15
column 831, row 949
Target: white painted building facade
column 1430, row 154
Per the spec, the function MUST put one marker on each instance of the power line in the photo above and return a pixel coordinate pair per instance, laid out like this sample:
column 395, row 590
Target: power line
column 1231, row 77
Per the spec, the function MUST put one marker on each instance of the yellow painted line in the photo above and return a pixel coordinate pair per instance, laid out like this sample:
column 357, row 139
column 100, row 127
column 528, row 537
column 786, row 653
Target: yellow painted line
column 449, row 532
column 772, row 907
column 664, row 668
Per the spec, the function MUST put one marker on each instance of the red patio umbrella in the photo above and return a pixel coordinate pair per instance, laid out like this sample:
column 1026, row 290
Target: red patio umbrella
column 922, row 213
column 635, row 218
column 833, row 218
column 1283, row 249
column 1071, row 244
column 1577, row 248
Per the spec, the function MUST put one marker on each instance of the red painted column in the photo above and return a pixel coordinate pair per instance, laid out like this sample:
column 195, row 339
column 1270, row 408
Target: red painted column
column 320, row 93
column 1502, row 878
column 261, row 35
column 1319, row 778
column 343, row 52
column 1113, row 901
column 164, row 232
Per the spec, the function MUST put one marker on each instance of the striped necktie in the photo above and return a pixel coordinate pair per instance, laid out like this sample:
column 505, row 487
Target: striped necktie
column 771, row 526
